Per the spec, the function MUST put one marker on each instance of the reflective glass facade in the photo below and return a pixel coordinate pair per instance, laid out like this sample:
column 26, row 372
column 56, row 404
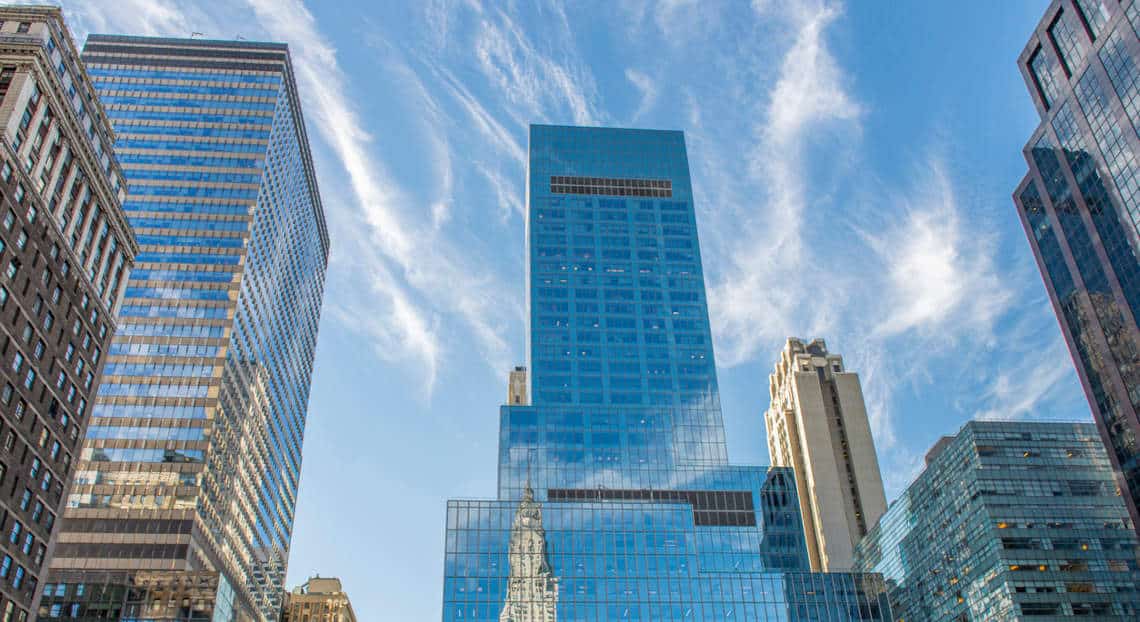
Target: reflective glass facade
column 1080, row 205
column 1009, row 521
column 194, row 455
column 616, row 499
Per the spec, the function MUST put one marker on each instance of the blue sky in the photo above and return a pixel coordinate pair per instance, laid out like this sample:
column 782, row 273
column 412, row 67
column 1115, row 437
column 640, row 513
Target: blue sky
column 852, row 166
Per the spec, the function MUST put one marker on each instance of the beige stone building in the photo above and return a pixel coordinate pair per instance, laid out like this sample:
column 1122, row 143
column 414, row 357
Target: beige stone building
column 817, row 424
column 318, row 600
column 516, row 387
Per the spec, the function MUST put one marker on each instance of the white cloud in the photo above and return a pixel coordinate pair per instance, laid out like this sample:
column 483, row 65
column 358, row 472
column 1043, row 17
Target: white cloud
column 140, row 17
column 1017, row 392
column 647, row 90
column 536, row 84
column 490, row 127
column 414, row 273
column 940, row 273
column 764, row 294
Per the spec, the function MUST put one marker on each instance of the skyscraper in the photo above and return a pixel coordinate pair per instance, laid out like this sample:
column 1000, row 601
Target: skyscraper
column 64, row 247
column 817, row 425
column 616, row 498
column 188, row 477
column 1009, row 521
column 1080, row 205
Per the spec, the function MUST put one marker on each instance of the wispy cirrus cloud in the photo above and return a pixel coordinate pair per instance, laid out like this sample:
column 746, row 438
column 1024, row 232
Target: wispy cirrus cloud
column 758, row 300
column 939, row 272
column 534, row 82
column 647, row 91
column 409, row 283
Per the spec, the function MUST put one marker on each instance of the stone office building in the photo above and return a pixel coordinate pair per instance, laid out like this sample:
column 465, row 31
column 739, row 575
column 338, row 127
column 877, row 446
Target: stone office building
column 65, row 250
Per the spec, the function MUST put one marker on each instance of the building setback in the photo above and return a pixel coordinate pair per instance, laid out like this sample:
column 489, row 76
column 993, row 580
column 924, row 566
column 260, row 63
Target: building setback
column 616, row 499
column 320, row 599
column 1009, row 521
column 188, row 477
column 1080, row 205
column 817, row 425
column 65, row 247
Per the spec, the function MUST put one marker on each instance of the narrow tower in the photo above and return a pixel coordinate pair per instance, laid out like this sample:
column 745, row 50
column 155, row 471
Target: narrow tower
column 532, row 590
column 817, row 425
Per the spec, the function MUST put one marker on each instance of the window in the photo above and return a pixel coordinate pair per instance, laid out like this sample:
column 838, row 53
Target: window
column 25, row 499
column 1068, row 42
column 1095, row 15
column 30, row 379
column 1042, row 71
column 23, row 27
column 22, row 239
column 17, row 362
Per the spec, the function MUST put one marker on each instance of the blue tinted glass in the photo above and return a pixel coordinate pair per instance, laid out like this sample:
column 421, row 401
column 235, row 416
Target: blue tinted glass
column 616, row 499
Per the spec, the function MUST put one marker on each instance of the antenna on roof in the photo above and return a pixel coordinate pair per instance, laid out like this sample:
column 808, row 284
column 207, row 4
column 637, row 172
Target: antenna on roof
column 195, row 35
column 239, row 37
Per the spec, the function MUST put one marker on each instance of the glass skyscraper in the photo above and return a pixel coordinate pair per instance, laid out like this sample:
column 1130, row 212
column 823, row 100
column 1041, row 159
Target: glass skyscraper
column 1080, row 205
column 1009, row 521
column 616, row 500
column 184, row 499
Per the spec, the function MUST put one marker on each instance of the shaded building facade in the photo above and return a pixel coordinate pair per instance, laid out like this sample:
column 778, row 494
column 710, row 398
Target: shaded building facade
column 1080, row 205
column 65, row 247
column 188, row 476
column 1009, row 521
column 817, row 425
column 616, row 499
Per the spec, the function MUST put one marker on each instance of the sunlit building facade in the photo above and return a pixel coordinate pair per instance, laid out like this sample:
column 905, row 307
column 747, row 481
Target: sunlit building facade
column 65, row 248
column 1080, row 205
column 320, row 599
column 184, row 499
column 817, row 426
column 1009, row 521
column 616, row 500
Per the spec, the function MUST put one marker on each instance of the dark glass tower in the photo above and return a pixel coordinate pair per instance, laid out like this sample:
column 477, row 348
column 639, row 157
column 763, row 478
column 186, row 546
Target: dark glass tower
column 616, row 498
column 1080, row 205
column 184, row 499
